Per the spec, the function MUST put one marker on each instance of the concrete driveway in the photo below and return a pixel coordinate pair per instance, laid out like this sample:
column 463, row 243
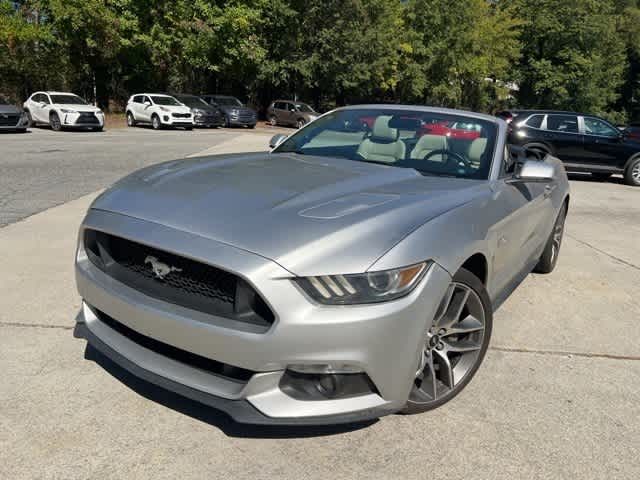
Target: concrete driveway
column 557, row 397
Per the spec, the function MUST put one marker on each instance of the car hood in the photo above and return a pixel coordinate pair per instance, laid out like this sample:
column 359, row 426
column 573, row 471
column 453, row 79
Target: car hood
column 311, row 215
column 12, row 109
column 78, row 108
column 228, row 108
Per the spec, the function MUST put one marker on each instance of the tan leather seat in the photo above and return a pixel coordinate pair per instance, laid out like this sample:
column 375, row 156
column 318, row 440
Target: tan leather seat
column 427, row 144
column 476, row 151
column 383, row 144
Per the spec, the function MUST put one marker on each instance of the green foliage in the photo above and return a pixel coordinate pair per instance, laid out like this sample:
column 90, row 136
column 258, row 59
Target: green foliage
column 582, row 55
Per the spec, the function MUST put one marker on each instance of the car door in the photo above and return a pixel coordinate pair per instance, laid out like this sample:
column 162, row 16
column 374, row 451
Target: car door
column 526, row 214
column 604, row 147
column 40, row 108
column 136, row 104
column 562, row 132
column 146, row 109
column 286, row 114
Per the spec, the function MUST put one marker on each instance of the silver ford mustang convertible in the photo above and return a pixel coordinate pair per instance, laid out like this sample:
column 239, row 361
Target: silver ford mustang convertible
column 350, row 273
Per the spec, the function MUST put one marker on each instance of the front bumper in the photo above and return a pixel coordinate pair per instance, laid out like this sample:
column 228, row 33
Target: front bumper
column 383, row 340
column 208, row 121
column 82, row 120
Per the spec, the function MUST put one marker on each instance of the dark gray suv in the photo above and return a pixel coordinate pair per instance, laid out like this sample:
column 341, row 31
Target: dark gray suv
column 11, row 117
column 235, row 113
column 285, row 112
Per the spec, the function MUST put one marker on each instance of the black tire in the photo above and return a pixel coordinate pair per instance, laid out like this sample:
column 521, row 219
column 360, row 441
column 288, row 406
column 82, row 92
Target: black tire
column 549, row 257
column 188, row 129
column 54, row 121
column 273, row 121
column 252, row 126
column 632, row 173
column 300, row 123
column 227, row 122
column 541, row 152
column 468, row 279
column 131, row 120
column 600, row 176
column 30, row 122
column 156, row 124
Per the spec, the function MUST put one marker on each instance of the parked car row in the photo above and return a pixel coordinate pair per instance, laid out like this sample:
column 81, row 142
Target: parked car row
column 584, row 143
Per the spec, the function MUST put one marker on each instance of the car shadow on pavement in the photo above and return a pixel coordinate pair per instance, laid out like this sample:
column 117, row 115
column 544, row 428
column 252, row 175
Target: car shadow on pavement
column 208, row 414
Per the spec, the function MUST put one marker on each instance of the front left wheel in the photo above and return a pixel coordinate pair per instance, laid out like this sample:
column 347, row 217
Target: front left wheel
column 155, row 122
column 455, row 344
column 549, row 257
column 54, row 121
column 632, row 173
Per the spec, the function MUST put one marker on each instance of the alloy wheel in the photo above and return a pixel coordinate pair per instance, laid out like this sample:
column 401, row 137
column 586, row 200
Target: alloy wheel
column 55, row 122
column 155, row 122
column 452, row 346
column 273, row 121
column 635, row 173
column 300, row 124
column 556, row 239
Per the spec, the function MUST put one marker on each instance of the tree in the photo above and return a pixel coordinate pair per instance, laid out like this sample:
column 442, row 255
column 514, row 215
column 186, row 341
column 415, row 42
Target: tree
column 573, row 56
column 464, row 51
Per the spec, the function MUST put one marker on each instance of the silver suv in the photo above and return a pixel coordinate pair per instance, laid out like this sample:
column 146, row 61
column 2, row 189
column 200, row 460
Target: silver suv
column 284, row 112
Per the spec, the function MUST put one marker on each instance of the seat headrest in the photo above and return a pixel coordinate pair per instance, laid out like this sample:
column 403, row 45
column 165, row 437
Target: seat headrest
column 382, row 131
column 432, row 142
column 477, row 148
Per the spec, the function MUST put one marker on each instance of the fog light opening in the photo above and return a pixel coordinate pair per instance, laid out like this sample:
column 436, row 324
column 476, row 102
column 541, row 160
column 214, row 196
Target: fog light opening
column 325, row 386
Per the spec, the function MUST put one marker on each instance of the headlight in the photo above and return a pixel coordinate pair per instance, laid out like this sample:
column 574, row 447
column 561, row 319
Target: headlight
column 99, row 112
column 64, row 110
column 370, row 287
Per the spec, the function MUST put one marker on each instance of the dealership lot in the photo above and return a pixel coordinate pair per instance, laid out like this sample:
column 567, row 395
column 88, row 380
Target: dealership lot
column 558, row 396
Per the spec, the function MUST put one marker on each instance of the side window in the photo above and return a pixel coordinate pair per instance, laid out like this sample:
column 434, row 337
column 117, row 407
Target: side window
column 534, row 121
column 277, row 105
column 137, row 99
column 562, row 123
column 594, row 126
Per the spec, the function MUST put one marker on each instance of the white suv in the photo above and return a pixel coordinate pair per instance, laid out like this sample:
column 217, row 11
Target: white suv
column 62, row 110
column 158, row 110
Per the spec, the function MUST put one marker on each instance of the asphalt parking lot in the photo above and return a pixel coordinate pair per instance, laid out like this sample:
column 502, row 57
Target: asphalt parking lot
column 558, row 395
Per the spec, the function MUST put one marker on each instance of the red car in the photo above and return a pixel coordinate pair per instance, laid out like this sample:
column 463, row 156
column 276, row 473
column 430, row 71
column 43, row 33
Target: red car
column 458, row 130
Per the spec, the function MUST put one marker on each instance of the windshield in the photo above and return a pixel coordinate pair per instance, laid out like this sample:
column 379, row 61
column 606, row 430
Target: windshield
column 429, row 142
column 231, row 101
column 303, row 107
column 165, row 101
column 192, row 101
column 67, row 100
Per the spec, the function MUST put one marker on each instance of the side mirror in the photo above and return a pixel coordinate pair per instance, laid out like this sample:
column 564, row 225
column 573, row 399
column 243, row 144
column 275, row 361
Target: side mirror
column 276, row 140
column 147, row 103
column 535, row 171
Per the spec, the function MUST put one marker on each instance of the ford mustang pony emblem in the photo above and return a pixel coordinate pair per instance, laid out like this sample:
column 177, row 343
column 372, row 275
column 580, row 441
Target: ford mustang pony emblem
column 160, row 269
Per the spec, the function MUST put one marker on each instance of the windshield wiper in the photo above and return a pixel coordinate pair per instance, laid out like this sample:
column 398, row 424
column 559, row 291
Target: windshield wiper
column 437, row 174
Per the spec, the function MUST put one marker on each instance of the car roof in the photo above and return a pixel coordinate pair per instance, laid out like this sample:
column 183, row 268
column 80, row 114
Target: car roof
column 547, row 112
column 57, row 93
column 427, row 109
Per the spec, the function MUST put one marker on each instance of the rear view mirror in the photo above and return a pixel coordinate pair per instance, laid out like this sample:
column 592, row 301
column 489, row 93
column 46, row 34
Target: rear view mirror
column 405, row 123
column 276, row 140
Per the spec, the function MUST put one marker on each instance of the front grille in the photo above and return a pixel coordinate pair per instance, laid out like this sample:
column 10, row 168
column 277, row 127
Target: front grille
column 245, row 116
column 229, row 372
column 9, row 119
column 181, row 115
column 88, row 117
column 178, row 280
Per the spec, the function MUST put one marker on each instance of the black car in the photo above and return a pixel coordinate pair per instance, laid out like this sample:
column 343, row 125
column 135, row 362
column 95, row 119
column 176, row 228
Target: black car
column 12, row 118
column 235, row 113
column 585, row 143
column 204, row 114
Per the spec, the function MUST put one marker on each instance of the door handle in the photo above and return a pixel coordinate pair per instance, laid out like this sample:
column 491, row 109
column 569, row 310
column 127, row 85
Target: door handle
column 548, row 190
